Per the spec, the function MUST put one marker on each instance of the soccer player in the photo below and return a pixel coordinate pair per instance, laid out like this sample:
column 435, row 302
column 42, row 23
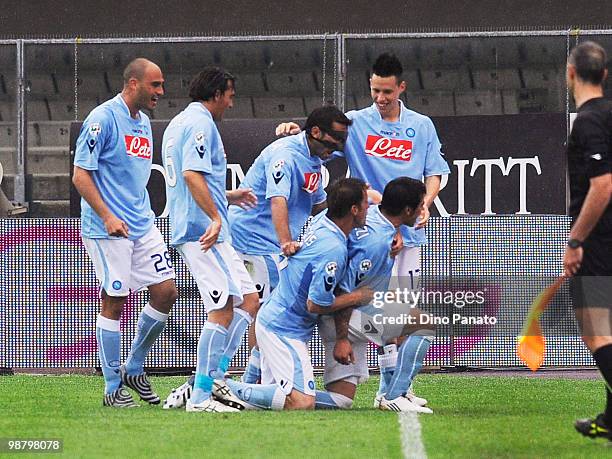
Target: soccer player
column 286, row 181
column 196, row 167
column 112, row 166
column 588, row 254
column 306, row 289
column 386, row 141
column 346, row 335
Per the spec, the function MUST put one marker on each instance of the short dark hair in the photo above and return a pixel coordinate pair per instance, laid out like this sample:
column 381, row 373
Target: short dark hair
column 323, row 117
column 344, row 194
column 136, row 69
column 387, row 65
column 590, row 61
column 400, row 193
column 205, row 84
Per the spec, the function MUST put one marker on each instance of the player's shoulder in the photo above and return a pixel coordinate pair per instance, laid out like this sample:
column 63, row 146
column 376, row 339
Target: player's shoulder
column 363, row 113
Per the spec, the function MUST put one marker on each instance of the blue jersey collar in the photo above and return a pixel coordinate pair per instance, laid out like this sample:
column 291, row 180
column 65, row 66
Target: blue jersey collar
column 122, row 102
column 403, row 110
column 385, row 220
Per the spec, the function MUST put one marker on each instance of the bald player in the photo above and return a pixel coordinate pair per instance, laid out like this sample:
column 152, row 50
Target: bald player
column 112, row 165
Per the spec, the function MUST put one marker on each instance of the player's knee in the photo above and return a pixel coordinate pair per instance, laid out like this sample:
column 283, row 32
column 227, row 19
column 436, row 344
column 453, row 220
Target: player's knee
column 250, row 304
column 595, row 342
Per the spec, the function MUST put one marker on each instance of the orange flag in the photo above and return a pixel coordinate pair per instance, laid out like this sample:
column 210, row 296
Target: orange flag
column 532, row 345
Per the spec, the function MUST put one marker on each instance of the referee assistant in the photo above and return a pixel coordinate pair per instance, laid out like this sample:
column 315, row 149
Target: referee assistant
column 588, row 255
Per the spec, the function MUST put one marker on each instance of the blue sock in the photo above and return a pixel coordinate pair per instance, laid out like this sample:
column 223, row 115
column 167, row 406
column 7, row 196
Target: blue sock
column 252, row 373
column 386, row 363
column 240, row 323
column 210, row 349
column 265, row 396
column 108, row 337
column 150, row 325
column 325, row 400
column 409, row 362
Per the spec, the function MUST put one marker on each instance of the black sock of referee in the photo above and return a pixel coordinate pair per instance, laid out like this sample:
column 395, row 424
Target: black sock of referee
column 603, row 359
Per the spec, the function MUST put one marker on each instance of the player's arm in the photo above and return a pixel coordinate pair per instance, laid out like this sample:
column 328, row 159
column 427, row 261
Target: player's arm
column 198, row 187
column 280, row 219
column 343, row 349
column 285, row 129
column 358, row 297
column 432, row 188
column 595, row 204
column 243, row 197
column 85, row 185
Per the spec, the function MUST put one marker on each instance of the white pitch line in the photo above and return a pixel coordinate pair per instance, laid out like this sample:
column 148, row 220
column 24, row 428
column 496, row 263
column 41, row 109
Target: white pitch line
column 410, row 435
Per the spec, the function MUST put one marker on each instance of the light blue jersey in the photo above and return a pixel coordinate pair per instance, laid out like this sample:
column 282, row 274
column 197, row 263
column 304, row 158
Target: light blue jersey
column 192, row 143
column 284, row 168
column 378, row 151
column 118, row 150
column 369, row 251
column 310, row 274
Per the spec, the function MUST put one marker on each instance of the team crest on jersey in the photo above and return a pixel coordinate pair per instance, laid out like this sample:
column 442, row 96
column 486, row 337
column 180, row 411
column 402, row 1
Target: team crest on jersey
column 199, row 144
column 139, row 147
column 383, row 147
column 311, row 182
column 330, row 275
column 94, row 131
column 410, row 132
column 364, row 267
column 277, row 171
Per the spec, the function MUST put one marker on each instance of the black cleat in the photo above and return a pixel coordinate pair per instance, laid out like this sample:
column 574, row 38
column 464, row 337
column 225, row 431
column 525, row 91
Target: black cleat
column 121, row 398
column 593, row 428
column 140, row 383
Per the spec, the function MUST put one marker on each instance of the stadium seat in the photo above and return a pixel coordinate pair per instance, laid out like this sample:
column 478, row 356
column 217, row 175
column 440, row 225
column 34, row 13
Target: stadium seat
column 168, row 108
column 292, row 84
column 7, row 159
column 49, row 134
column 63, row 109
column 176, row 85
column 39, row 85
column 250, row 84
column 350, row 102
column 510, row 101
column 7, row 84
column 437, row 103
column 357, row 81
column 37, row 110
column 478, row 103
column 446, row 80
column 49, row 160
column 242, row 108
column 8, row 111
column 496, row 79
column 8, row 135
column 317, row 101
column 273, row 107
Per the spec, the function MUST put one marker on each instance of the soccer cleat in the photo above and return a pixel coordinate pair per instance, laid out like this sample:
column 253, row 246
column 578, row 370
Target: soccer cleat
column 377, row 400
column 402, row 404
column 121, row 398
column 178, row 397
column 222, row 392
column 209, row 406
column 593, row 428
column 410, row 395
column 140, row 383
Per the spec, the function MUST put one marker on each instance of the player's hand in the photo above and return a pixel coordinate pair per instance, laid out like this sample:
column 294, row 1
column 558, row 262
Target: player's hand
column 374, row 197
column 116, row 227
column 397, row 245
column 290, row 248
column 209, row 238
column 343, row 352
column 572, row 259
column 243, row 197
column 423, row 219
column 285, row 129
column 364, row 295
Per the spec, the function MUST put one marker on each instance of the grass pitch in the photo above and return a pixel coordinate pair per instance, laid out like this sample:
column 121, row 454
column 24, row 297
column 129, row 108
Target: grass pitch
column 475, row 416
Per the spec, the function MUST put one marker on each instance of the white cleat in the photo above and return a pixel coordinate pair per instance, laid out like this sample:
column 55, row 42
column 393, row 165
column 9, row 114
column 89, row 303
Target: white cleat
column 400, row 404
column 222, row 392
column 209, row 406
column 178, row 397
column 410, row 395
column 377, row 400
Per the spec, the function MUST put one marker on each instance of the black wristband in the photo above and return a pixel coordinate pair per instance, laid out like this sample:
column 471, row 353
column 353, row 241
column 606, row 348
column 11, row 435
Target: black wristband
column 574, row 243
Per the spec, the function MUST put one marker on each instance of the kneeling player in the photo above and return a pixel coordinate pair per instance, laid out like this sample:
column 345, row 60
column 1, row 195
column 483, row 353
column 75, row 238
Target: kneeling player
column 346, row 342
column 286, row 321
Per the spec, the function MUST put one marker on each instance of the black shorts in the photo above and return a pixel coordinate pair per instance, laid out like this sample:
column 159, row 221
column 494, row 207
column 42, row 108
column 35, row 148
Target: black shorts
column 592, row 285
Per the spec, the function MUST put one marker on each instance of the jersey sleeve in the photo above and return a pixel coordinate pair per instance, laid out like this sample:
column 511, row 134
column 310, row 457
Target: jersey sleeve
column 279, row 172
column 320, row 195
column 197, row 148
column 327, row 270
column 594, row 137
column 93, row 137
column 435, row 164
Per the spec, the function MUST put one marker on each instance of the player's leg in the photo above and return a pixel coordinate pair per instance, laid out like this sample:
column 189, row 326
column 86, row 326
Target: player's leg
column 151, row 267
column 245, row 306
column 108, row 257
column 592, row 298
column 263, row 269
column 210, row 272
column 287, row 375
